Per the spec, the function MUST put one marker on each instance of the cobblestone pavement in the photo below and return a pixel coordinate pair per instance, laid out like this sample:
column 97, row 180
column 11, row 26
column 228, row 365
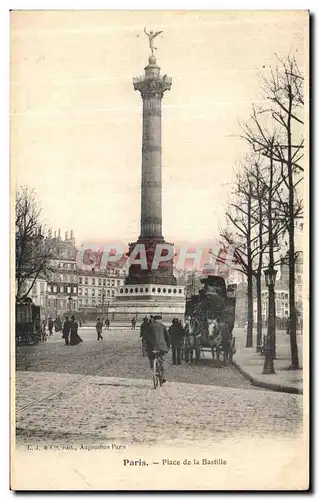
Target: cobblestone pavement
column 130, row 411
column 103, row 392
column 119, row 355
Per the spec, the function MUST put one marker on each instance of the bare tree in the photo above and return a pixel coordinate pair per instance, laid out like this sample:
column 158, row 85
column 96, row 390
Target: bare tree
column 33, row 249
column 284, row 89
column 242, row 220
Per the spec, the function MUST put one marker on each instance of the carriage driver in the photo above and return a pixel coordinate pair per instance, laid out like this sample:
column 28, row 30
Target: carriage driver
column 156, row 337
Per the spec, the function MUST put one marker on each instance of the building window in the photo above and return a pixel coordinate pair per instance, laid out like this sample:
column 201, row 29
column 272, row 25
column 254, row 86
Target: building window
column 100, row 282
column 93, row 281
column 93, row 302
column 86, row 291
column 93, row 292
column 74, row 289
column 34, row 290
column 104, row 282
column 86, row 281
column 55, row 289
column 42, row 288
column 49, row 288
column 121, row 291
column 113, row 282
column 80, row 291
column 108, row 282
column 80, row 280
column 100, row 292
column 118, row 282
column 61, row 289
column 69, row 289
column 108, row 293
column 80, row 302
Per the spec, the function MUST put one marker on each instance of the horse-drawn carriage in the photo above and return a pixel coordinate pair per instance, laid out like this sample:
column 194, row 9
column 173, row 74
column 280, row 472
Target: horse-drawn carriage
column 28, row 323
column 210, row 317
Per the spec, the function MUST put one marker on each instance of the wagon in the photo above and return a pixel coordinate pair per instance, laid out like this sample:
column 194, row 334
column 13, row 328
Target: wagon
column 27, row 322
column 212, row 314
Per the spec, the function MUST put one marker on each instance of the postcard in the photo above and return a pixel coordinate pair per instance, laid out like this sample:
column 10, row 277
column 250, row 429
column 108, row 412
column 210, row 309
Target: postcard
column 159, row 259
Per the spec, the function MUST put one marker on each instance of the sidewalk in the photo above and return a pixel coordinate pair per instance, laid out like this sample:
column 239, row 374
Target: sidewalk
column 250, row 363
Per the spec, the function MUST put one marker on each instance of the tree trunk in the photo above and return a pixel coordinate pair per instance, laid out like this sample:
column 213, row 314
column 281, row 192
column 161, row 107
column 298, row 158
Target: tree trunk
column 249, row 337
column 259, row 312
column 291, row 254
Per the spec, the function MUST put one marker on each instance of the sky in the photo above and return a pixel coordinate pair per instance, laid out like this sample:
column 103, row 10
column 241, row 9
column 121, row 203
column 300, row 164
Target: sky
column 76, row 119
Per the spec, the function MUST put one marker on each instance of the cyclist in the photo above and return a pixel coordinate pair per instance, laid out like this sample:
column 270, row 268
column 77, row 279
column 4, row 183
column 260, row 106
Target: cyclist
column 156, row 340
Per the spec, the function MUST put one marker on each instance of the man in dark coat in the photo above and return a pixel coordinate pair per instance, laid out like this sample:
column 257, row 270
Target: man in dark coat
column 50, row 325
column 99, row 327
column 176, row 340
column 156, row 340
column 143, row 329
column 66, row 330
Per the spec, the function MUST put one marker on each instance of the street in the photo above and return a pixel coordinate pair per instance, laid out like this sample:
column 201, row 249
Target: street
column 103, row 391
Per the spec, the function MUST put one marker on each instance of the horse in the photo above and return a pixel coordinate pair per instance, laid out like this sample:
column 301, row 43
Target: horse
column 207, row 335
column 189, row 339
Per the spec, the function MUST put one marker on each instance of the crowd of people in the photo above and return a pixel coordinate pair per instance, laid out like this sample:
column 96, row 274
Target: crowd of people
column 157, row 337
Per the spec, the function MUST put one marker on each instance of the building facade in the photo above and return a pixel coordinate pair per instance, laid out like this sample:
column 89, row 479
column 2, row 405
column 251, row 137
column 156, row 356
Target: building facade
column 97, row 289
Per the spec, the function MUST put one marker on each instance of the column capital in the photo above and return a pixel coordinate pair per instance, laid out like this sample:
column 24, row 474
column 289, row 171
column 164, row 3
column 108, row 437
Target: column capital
column 152, row 87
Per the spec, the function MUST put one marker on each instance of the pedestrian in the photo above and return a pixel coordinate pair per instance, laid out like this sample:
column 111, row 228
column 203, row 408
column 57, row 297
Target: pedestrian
column 133, row 322
column 156, row 340
column 143, row 328
column 50, row 325
column 99, row 327
column 176, row 332
column 74, row 337
column 107, row 324
column 66, row 330
column 43, row 332
column 37, row 327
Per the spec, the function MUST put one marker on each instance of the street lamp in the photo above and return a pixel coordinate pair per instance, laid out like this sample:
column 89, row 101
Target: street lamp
column 103, row 299
column 56, row 305
column 270, row 348
column 70, row 302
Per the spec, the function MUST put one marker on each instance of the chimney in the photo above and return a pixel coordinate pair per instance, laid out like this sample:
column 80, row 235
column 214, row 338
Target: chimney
column 59, row 234
column 71, row 234
column 39, row 230
column 66, row 236
column 54, row 234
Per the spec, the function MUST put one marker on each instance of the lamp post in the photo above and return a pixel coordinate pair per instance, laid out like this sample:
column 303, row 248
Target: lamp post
column 70, row 302
column 56, row 305
column 270, row 277
column 103, row 299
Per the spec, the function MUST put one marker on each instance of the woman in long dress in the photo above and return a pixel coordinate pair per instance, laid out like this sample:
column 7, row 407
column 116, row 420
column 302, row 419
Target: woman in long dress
column 74, row 337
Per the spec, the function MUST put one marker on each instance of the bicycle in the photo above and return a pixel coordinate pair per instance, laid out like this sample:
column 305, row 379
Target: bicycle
column 157, row 370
